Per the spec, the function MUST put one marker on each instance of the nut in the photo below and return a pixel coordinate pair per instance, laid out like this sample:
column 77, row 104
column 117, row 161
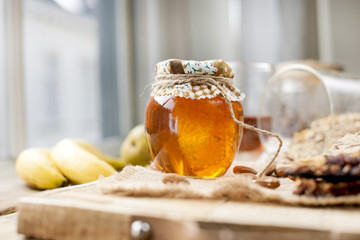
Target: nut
column 270, row 170
column 244, row 169
column 292, row 178
column 268, row 182
column 281, row 172
column 174, row 178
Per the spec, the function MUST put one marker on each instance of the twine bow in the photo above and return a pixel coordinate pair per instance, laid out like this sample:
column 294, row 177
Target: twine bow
column 221, row 83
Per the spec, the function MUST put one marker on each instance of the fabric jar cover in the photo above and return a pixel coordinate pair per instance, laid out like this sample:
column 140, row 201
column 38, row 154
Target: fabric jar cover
column 217, row 68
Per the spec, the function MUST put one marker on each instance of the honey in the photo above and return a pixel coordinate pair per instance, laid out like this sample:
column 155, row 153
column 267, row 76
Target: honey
column 193, row 137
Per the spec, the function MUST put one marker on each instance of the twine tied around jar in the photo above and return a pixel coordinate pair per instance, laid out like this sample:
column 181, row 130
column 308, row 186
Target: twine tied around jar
column 221, row 83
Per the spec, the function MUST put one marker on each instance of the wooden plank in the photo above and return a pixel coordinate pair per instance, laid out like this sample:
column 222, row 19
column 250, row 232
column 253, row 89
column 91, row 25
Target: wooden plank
column 44, row 216
column 212, row 231
column 68, row 222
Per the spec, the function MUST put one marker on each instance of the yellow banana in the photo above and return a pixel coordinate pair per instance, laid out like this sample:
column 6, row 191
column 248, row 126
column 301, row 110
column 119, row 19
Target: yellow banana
column 78, row 164
column 37, row 169
column 116, row 163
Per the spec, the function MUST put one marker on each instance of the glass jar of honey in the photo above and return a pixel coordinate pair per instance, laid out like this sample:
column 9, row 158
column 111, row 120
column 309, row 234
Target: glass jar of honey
column 189, row 128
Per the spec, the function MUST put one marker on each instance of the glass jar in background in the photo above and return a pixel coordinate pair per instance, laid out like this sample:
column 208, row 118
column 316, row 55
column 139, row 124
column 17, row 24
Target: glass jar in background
column 252, row 78
column 298, row 94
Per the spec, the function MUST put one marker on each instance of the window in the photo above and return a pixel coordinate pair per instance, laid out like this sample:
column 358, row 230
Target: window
column 3, row 86
column 61, row 61
column 59, row 76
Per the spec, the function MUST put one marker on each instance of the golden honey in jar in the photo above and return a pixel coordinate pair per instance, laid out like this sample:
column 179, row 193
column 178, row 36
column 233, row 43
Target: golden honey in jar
column 189, row 127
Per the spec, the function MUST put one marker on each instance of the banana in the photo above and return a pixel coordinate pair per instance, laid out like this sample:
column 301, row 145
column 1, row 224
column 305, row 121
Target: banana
column 37, row 169
column 78, row 164
column 116, row 163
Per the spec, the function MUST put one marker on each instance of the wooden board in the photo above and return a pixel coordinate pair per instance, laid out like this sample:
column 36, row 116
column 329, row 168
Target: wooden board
column 82, row 212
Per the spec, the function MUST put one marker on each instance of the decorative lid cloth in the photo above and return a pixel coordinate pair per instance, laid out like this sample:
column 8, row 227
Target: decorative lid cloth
column 216, row 68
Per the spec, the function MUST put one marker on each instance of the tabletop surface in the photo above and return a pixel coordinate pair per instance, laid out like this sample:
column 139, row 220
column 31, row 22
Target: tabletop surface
column 11, row 189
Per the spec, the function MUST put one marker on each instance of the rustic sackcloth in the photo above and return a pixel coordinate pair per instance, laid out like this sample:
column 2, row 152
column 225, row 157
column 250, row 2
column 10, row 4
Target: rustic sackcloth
column 136, row 181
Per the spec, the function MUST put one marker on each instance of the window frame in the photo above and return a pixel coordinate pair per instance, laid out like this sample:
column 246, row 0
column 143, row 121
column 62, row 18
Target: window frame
column 16, row 122
column 119, row 77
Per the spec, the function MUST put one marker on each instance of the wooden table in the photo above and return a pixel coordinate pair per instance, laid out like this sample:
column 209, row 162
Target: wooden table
column 8, row 227
column 11, row 189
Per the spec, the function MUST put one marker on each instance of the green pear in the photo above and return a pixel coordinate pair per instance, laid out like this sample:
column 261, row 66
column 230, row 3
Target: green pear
column 134, row 149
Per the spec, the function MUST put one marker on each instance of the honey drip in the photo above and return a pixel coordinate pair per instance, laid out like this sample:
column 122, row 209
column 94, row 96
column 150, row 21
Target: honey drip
column 192, row 137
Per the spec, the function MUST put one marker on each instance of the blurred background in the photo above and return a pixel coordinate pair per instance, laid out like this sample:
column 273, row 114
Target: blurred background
column 79, row 68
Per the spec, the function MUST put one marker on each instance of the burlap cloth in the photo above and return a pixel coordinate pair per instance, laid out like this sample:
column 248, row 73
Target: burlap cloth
column 136, row 181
